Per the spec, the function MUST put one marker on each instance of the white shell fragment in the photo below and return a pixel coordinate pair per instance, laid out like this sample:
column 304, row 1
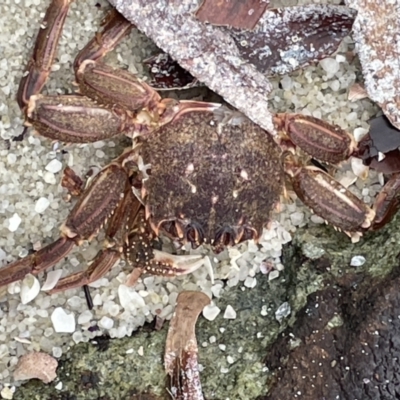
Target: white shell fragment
column 7, row 392
column 36, row 365
column 63, row 322
column 51, row 280
column 229, row 313
column 30, row 288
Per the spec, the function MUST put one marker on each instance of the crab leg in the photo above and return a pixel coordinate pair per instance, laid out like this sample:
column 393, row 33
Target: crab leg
column 74, row 119
column 116, row 27
column 387, row 202
column 87, row 217
column 37, row 262
column 39, row 66
column 120, row 223
column 101, row 264
column 319, row 139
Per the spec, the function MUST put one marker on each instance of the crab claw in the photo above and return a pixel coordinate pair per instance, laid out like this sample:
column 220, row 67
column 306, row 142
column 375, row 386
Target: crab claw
column 170, row 265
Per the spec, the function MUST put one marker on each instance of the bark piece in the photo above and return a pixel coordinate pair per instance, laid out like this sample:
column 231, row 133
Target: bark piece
column 376, row 35
column 181, row 347
column 289, row 38
column 212, row 55
column 242, row 14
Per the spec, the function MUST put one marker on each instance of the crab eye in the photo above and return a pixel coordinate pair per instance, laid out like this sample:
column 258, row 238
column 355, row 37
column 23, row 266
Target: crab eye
column 194, row 234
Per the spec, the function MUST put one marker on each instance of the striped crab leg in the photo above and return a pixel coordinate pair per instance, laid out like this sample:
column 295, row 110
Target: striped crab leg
column 39, row 66
column 321, row 192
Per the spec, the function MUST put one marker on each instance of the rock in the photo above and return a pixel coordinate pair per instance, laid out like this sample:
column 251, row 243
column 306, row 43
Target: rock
column 54, row 166
column 41, row 205
column 14, row 222
column 63, row 322
column 211, row 311
column 36, row 365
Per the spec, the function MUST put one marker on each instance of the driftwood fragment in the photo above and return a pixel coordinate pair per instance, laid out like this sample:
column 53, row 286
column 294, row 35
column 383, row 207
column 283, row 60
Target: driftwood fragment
column 242, row 14
column 376, row 33
column 212, row 54
column 181, row 348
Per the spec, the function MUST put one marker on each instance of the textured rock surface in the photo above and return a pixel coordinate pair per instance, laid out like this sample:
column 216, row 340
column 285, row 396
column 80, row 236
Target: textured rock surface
column 376, row 34
column 343, row 337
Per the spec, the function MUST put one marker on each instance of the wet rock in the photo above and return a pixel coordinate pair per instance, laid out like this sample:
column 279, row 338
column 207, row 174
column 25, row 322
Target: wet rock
column 343, row 345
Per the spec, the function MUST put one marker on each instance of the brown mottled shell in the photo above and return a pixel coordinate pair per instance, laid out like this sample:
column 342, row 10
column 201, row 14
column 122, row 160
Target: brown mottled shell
column 216, row 174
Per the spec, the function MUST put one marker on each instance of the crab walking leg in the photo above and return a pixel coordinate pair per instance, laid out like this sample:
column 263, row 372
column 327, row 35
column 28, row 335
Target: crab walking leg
column 332, row 201
column 108, row 85
column 37, row 262
column 319, row 139
column 181, row 349
column 387, row 202
column 74, row 119
column 101, row 264
column 118, row 227
column 87, row 217
column 116, row 27
column 39, row 66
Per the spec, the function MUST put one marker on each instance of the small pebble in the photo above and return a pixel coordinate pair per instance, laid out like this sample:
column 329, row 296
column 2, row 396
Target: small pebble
column 63, row 322
column 273, row 275
column 211, row 311
column 85, row 317
column 14, row 222
column 41, row 205
column 106, row 323
column 357, row 261
column 54, row 166
column 229, row 313
column 283, row 311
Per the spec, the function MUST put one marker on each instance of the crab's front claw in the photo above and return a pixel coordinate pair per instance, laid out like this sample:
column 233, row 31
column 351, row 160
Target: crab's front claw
column 37, row 262
column 332, row 201
column 166, row 264
column 139, row 252
column 319, row 139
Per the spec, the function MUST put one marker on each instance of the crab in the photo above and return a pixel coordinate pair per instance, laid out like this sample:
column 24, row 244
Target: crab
column 197, row 172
